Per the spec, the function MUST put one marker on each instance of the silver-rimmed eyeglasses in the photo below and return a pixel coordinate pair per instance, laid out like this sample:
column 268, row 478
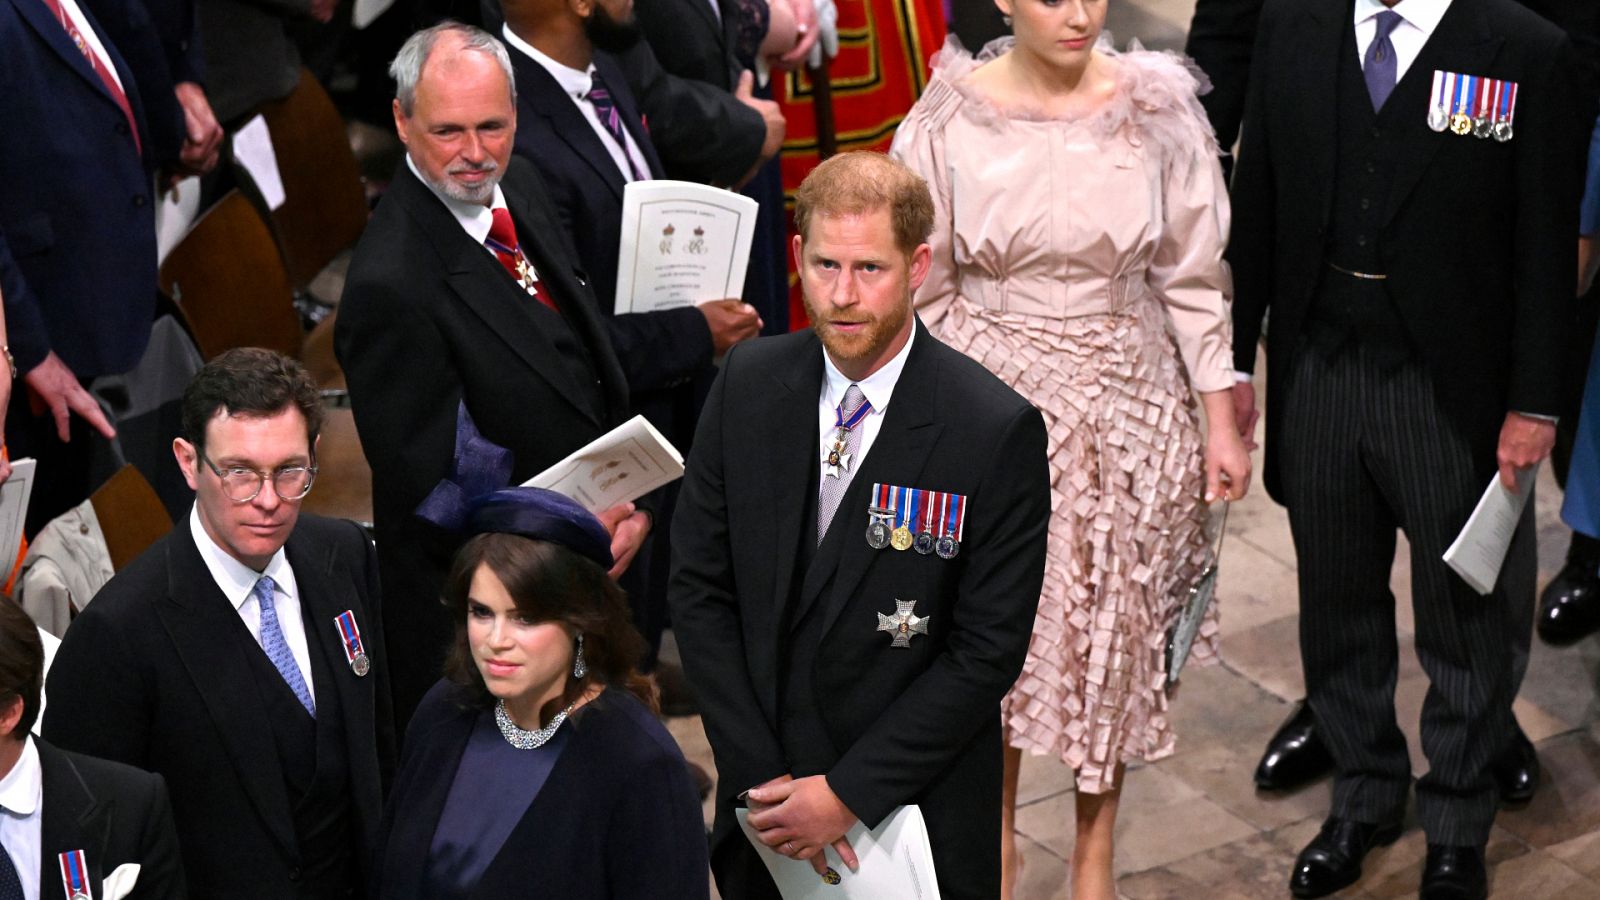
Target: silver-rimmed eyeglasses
column 242, row 484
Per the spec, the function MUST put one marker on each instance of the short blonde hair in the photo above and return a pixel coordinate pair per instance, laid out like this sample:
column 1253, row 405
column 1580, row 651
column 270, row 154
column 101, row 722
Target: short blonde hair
column 862, row 182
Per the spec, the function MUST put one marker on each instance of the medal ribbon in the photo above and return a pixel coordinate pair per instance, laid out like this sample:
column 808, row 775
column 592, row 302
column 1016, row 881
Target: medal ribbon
column 1438, row 87
column 1482, row 101
column 1458, row 102
column 930, row 500
column 914, row 506
column 1511, row 103
column 902, row 508
column 74, row 871
column 349, row 633
column 855, row 418
column 944, row 512
column 954, row 522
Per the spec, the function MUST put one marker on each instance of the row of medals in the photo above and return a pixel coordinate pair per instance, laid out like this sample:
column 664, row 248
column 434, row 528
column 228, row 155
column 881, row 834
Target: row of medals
column 880, row 535
column 1481, row 127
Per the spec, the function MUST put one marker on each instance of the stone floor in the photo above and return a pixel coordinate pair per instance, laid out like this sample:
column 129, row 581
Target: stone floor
column 1193, row 826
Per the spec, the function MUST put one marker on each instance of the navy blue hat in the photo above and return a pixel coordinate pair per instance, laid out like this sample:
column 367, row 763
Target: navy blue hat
column 475, row 500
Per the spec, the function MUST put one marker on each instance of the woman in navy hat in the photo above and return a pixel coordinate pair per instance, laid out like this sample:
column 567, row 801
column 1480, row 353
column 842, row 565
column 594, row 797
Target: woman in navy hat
column 536, row 767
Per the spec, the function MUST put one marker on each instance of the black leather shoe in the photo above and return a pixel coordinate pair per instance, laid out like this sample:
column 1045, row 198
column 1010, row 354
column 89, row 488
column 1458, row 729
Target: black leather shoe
column 1516, row 771
column 1295, row 755
column 1333, row 858
column 1569, row 608
column 1454, row 873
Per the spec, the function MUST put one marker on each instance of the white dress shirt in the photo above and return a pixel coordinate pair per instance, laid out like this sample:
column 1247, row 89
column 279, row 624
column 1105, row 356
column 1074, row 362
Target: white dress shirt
column 1419, row 19
column 22, row 817
column 576, row 83
column 70, row 7
column 475, row 218
column 238, row 584
column 877, row 387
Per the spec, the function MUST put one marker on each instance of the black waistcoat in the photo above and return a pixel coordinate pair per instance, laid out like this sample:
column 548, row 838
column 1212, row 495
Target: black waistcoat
column 313, row 754
column 805, row 739
column 1346, row 310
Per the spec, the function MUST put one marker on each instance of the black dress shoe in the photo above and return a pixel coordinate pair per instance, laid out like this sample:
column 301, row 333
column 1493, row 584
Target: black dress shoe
column 1516, row 771
column 1333, row 858
column 1454, row 873
column 1569, row 608
column 1295, row 755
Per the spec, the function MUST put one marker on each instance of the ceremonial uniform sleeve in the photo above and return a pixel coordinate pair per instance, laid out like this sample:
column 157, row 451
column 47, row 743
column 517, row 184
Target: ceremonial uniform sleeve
column 934, row 719
column 705, row 608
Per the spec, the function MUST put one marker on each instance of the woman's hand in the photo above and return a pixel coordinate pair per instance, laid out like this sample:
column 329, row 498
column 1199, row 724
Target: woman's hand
column 1227, row 459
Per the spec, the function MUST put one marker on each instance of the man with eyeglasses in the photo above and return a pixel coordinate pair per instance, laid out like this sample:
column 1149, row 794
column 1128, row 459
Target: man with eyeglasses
column 241, row 655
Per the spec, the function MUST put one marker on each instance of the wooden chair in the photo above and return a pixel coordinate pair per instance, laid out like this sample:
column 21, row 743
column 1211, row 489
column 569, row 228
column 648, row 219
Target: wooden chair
column 227, row 279
column 325, row 206
column 344, row 480
column 131, row 515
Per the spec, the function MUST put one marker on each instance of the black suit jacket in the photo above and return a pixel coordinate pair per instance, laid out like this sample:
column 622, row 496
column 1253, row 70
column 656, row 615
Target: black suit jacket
column 658, row 349
column 909, row 725
column 1477, row 235
column 153, row 674
column 617, row 817
column 116, row 815
column 427, row 308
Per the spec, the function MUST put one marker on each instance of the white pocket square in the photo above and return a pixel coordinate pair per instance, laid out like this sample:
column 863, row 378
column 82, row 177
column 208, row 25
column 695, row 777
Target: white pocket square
column 120, row 882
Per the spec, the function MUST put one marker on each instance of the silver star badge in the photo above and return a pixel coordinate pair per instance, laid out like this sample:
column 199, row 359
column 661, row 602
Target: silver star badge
column 836, row 463
column 904, row 623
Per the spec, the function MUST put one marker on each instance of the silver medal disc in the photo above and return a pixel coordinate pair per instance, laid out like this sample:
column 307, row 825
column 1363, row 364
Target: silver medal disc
column 923, row 543
column 1482, row 127
column 1438, row 118
column 1502, row 131
column 361, row 665
column 947, row 547
column 878, row 534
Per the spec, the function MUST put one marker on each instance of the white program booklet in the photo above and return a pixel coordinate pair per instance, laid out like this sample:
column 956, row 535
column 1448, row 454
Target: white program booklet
column 896, row 863
column 682, row 244
column 1480, row 549
column 252, row 149
column 14, row 496
column 624, row 464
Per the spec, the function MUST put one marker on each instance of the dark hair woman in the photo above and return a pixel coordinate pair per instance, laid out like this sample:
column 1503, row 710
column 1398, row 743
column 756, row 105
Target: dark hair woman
column 537, row 765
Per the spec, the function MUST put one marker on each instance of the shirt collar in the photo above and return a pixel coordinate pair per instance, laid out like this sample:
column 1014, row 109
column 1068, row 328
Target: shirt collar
column 1422, row 14
column 235, row 578
column 575, row 82
column 475, row 218
column 22, row 787
column 877, row 387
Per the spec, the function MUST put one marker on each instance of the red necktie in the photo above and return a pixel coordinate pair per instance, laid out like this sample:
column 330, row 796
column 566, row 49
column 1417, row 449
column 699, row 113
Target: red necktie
column 99, row 66
column 503, row 241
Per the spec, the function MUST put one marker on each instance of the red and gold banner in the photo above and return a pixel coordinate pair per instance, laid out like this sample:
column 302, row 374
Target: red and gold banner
column 881, row 69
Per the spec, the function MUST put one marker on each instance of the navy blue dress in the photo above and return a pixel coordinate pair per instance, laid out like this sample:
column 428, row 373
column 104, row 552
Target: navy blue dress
column 1581, row 508
column 613, row 815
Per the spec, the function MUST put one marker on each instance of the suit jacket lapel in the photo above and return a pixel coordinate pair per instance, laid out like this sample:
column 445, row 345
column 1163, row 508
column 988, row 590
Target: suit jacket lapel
column 72, row 820
column 546, row 98
column 791, row 424
column 632, row 120
column 324, row 599
column 1462, row 42
column 484, row 288
column 210, row 639
column 39, row 17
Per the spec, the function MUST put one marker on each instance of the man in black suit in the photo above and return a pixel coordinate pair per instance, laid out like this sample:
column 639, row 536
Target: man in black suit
column 59, row 804
column 839, row 681
column 526, row 353
column 241, row 656
column 1419, row 281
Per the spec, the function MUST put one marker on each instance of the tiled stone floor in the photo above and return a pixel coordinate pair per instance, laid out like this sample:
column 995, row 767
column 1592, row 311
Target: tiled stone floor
column 1193, row 826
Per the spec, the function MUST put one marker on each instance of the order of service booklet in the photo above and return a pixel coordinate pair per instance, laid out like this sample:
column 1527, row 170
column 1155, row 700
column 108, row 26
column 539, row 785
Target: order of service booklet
column 896, row 863
column 1480, row 549
column 623, row 464
column 682, row 244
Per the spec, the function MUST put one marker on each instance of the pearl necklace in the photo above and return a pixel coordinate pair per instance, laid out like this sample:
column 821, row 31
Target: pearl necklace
column 521, row 738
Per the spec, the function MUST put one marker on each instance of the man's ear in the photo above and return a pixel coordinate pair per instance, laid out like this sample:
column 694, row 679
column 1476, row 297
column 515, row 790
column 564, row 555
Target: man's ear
column 188, row 460
column 921, row 262
column 797, row 244
column 401, row 123
column 11, row 716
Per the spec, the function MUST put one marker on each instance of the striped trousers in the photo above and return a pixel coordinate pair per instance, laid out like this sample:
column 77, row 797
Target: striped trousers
column 1367, row 451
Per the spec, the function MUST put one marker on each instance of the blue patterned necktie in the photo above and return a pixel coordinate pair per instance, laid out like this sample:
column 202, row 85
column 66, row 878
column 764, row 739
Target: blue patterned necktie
column 277, row 648
column 611, row 119
column 10, row 883
column 1379, row 66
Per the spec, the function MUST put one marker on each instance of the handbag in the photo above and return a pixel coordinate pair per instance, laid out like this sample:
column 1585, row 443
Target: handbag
column 1180, row 640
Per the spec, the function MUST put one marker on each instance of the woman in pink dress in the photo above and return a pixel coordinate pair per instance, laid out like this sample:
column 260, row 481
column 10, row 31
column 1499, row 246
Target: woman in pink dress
column 1077, row 253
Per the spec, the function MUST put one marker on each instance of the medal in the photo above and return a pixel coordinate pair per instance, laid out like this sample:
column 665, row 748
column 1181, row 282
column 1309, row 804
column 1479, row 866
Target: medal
column 878, row 515
column 837, row 462
column 1507, row 109
column 949, row 544
column 901, row 538
column 923, row 542
column 1480, row 122
column 1438, row 114
column 1460, row 122
column 75, row 875
column 904, row 623
column 350, row 639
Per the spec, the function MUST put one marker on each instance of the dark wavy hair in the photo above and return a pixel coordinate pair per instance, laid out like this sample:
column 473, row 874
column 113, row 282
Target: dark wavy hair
column 549, row 583
column 21, row 664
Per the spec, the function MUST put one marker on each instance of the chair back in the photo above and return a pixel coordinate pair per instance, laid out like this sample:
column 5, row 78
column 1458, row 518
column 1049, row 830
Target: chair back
column 131, row 515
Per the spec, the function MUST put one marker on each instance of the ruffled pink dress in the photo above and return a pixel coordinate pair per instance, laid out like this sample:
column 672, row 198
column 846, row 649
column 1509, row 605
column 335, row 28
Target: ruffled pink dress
column 1080, row 260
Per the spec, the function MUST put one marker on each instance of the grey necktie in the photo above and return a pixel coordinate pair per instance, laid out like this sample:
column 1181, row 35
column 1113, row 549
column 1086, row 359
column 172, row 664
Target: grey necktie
column 1379, row 66
column 835, row 481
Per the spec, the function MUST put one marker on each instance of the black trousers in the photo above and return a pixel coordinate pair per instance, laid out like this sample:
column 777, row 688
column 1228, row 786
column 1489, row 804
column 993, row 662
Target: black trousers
column 1366, row 451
